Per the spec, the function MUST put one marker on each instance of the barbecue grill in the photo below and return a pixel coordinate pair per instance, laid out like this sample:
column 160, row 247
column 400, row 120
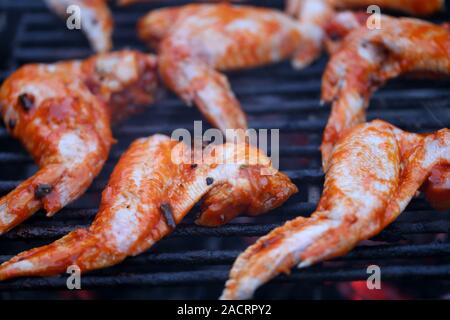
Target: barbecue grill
column 193, row 262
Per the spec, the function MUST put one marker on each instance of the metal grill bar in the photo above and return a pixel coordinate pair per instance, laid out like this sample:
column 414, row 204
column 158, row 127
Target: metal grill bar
column 298, row 151
column 395, row 232
column 30, row 5
column 203, row 257
column 306, row 126
column 304, row 175
column 210, row 277
column 300, row 208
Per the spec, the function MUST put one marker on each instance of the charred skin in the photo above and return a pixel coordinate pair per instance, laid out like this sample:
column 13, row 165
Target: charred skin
column 197, row 41
column 374, row 173
column 148, row 194
column 96, row 20
column 66, row 126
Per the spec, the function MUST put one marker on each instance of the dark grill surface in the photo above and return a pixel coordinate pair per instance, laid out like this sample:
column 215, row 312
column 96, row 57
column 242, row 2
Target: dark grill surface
column 194, row 262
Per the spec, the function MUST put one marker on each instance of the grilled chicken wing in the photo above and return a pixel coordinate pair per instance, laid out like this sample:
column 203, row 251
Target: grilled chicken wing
column 194, row 41
column 316, row 14
column 152, row 188
column 374, row 172
column 368, row 58
column 365, row 60
column 96, row 20
column 61, row 114
column 414, row 7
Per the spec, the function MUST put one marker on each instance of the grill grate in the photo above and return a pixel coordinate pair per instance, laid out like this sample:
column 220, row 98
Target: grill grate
column 414, row 247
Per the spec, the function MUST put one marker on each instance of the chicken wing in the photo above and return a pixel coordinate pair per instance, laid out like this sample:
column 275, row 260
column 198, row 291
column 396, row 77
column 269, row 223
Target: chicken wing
column 194, row 41
column 152, row 188
column 316, row 14
column 374, row 172
column 96, row 20
column 414, row 7
column 61, row 114
column 365, row 60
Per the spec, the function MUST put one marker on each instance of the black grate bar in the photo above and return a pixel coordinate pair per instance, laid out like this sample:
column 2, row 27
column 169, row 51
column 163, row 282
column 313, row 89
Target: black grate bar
column 391, row 233
column 418, row 210
column 306, row 175
column 23, row 5
column 415, row 124
column 412, row 120
column 297, row 151
column 306, row 126
column 391, row 272
column 202, row 257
